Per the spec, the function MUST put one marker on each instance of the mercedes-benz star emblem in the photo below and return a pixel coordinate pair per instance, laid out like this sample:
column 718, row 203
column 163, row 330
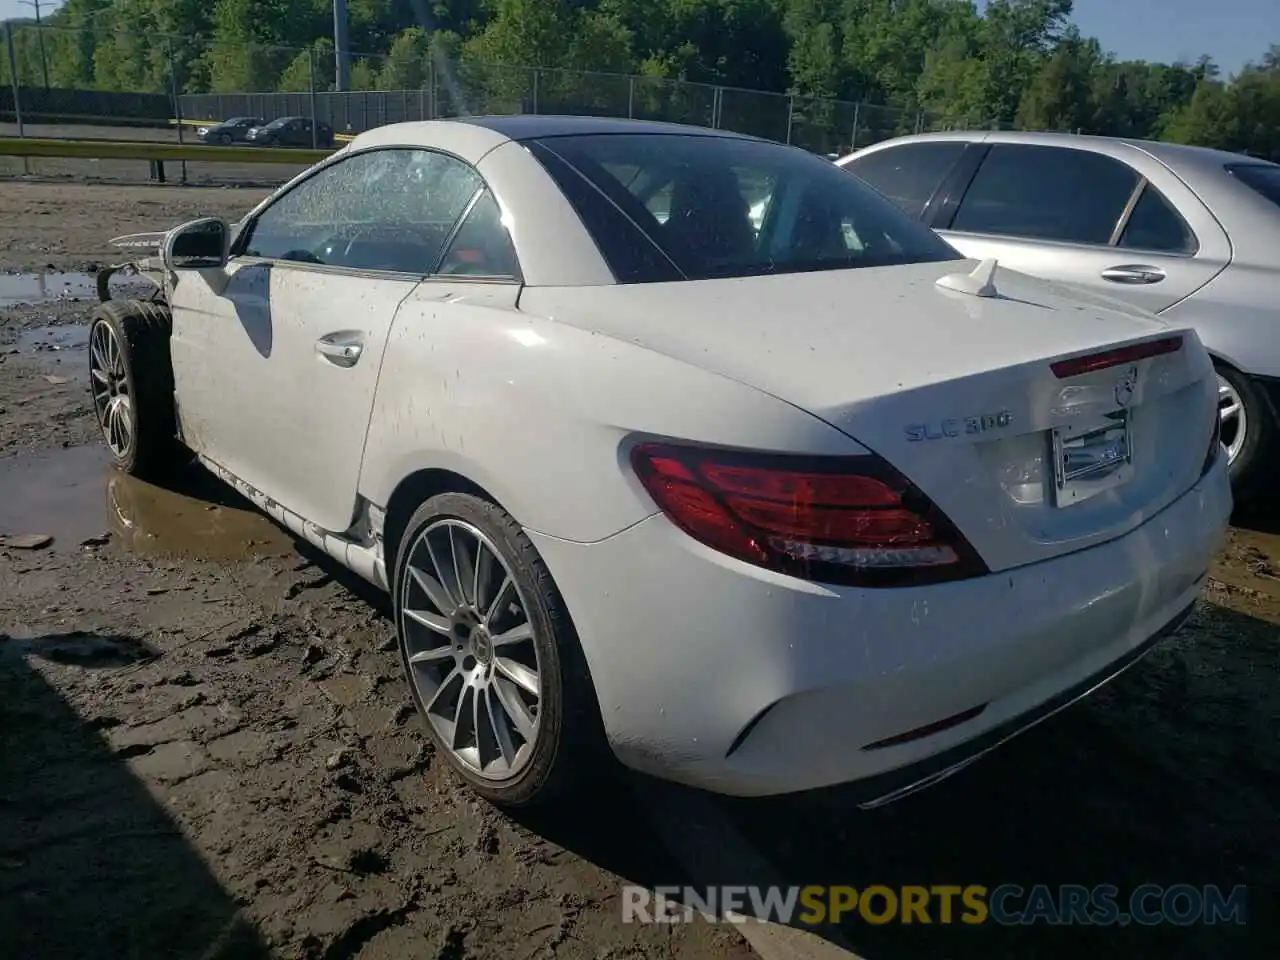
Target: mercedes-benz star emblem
column 1126, row 386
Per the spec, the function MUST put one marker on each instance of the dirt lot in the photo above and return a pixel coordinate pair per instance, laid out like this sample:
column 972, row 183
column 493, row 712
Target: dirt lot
column 67, row 226
column 206, row 748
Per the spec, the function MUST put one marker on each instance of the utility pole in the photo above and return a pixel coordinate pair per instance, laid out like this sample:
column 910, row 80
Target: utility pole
column 17, row 91
column 341, row 54
column 44, row 62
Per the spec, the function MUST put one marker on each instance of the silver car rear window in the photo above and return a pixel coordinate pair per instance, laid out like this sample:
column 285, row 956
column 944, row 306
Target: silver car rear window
column 1263, row 178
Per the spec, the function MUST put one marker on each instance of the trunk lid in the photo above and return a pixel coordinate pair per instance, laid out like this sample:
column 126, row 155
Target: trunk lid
column 955, row 391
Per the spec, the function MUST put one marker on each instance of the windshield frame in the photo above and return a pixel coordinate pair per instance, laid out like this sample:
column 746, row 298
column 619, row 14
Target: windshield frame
column 587, row 157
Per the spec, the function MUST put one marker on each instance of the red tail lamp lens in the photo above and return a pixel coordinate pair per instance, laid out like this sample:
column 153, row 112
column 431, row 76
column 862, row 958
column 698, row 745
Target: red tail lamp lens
column 1090, row 363
column 850, row 520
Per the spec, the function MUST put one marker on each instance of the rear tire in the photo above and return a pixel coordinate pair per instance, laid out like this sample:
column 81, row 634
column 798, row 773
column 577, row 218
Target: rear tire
column 131, row 385
column 454, row 634
column 1250, row 434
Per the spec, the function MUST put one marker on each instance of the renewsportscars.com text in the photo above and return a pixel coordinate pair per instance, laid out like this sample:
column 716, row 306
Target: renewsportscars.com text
column 1008, row 904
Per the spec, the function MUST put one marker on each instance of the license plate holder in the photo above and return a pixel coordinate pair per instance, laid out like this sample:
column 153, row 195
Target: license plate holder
column 1091, row 459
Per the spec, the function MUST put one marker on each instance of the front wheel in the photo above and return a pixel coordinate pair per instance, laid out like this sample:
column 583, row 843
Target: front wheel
column 131, row 382
column 491, row 656
column 1249, row 432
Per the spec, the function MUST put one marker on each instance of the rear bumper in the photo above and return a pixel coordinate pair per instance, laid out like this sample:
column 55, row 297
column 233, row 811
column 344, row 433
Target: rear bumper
column 729, row 678
column 896, row 784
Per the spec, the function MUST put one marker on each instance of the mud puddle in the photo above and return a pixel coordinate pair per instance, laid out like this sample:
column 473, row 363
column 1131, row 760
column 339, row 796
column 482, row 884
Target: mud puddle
column 74, row 497
column 18, row 289
column 62, row 350
column 64, row 339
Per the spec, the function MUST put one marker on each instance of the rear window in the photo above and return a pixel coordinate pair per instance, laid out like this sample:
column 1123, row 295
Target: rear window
column 909, row 174
column 702, row 207
column 1264, row 178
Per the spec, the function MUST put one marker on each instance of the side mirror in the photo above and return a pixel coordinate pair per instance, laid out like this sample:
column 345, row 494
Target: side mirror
column 199, row 245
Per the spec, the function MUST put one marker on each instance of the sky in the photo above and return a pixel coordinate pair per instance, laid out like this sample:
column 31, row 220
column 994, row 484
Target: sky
column 1231, row 31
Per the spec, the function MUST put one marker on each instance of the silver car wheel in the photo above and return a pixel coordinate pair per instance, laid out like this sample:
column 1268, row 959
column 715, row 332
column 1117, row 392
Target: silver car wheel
column 469, row 643
column 1234, row 418
column 111, row 400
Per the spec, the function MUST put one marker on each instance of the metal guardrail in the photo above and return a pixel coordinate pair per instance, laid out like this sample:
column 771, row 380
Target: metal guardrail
column 149, row 150
column 339, row 137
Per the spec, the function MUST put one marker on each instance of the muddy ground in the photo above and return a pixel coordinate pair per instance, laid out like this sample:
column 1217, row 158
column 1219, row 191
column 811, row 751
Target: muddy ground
column 46, row 227
column 206, row 748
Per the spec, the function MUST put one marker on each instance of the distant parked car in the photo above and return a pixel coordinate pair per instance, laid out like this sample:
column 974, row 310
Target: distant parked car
column 1189, row 233
column 291, row 132
column 235, row 130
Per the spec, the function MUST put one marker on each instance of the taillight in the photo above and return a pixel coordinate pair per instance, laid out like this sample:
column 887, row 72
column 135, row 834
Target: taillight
column 1074, row 366
column 850, row 520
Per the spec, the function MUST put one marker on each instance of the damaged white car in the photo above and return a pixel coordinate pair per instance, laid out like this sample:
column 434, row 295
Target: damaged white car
column 769, row 492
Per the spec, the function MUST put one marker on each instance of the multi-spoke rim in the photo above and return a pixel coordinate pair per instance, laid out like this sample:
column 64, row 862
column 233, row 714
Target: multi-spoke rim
column 1234, row 418
column 470, row 646
column 111, row 400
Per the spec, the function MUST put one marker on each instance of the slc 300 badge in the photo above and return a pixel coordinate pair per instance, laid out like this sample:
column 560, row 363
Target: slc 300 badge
column 958, row 426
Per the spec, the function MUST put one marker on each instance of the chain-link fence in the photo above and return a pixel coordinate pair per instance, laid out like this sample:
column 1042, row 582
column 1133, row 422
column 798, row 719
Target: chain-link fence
column 54, row 75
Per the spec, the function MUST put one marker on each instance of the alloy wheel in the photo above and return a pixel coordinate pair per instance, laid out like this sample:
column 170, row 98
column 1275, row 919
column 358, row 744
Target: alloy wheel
column 470, row 648
column 111, row 400
column 1234, row 418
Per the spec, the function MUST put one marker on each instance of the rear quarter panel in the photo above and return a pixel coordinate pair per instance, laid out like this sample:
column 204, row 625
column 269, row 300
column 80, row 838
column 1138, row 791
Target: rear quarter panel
column 542, row 415
column 1237, row 315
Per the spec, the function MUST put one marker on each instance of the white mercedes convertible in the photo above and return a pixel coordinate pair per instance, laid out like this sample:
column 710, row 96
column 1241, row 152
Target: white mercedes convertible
column 682, row 447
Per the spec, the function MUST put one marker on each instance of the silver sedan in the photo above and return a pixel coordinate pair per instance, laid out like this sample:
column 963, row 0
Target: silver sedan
column 1188, row 233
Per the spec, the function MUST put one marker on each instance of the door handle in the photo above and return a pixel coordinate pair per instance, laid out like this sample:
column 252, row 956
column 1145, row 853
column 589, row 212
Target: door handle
column 340, row 350
column 1133, row 273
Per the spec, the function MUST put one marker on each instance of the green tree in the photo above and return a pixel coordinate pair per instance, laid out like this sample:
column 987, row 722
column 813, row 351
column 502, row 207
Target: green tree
column 1208, row 120
column 525, row 33
column 1060, row 96
column 814, row 58
column 407, row 66
column 364, row 74
column 299, row 75
column 1017, row 62
column 1243, row 116
column 254, row 41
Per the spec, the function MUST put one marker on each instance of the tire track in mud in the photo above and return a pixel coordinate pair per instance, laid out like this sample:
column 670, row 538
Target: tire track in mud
column 273, row 726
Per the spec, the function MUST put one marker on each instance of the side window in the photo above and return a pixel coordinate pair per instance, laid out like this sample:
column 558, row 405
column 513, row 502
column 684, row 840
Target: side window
column 1046, row 193
column 482, row 246
column 1155, row 225
column 379, row 210
column 758, row 190
column 632, row 256
column 908, row 175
